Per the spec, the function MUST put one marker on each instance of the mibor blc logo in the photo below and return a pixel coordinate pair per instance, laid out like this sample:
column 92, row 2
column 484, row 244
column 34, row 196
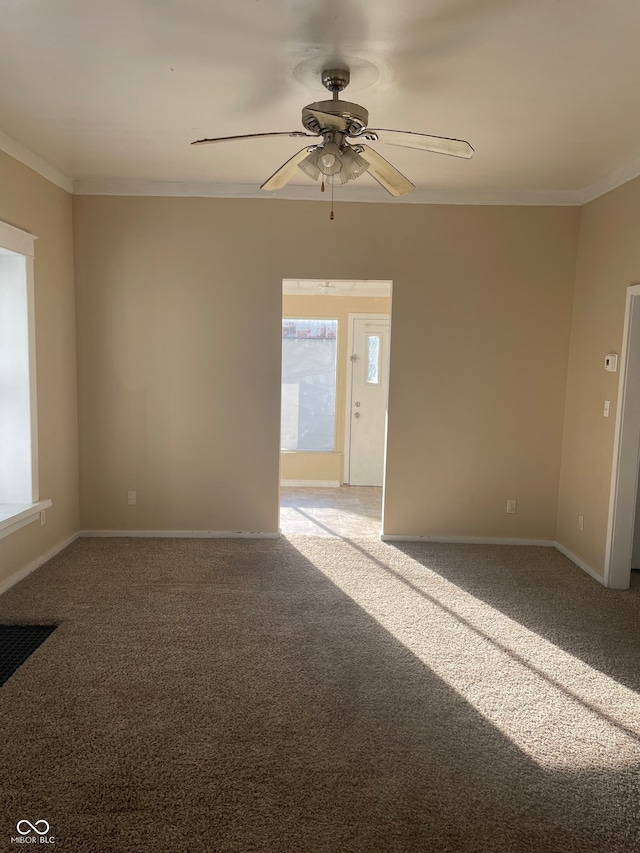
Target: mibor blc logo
column 33, row 833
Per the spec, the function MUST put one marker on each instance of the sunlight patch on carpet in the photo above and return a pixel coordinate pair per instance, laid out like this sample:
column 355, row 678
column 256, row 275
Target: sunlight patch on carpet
column 554, row 707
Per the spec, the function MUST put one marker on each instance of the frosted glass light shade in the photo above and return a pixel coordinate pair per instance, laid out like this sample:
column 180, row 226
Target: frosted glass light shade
column 353, row 164
column 343, row 164
column 310, row 165
column 330, row 159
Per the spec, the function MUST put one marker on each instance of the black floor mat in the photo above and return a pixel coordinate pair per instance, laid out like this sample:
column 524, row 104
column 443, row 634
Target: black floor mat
column 17, row 642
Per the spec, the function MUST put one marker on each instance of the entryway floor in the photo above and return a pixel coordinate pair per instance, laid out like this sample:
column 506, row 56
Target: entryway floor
column 347, row 511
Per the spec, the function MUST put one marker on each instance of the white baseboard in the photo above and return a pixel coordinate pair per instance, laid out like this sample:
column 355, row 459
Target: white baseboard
column 579, row 563
column 226, row 534
column 480, row 540
column 179, row 534
column 329, row 484
column 21, row 574
column 465, row 540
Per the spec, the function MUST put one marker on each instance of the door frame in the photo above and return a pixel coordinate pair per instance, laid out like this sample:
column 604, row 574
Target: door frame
column 348, row 401
column 626, row 452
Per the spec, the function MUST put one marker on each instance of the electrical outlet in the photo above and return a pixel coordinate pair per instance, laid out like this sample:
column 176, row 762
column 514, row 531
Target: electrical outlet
column 43, row 517
column 131, row 498
column 581, row 522
column 511, row 506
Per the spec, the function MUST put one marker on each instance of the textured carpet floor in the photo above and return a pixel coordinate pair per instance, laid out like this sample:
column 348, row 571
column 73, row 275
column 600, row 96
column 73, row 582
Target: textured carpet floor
column 321, row 696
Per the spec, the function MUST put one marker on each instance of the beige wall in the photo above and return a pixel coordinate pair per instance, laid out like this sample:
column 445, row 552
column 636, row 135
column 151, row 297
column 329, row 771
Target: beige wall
column 478, row 370
column 608, row 262
column 33, row 204
column 179, row 306
column 328, row 466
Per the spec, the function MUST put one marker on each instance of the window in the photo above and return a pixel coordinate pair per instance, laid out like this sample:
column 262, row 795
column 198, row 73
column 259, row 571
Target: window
column 19, row 502
column 373, row 359
column 309, row 350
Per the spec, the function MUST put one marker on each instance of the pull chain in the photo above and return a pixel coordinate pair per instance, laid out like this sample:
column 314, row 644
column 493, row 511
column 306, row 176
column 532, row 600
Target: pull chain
column 322, row 186
column 332, row 182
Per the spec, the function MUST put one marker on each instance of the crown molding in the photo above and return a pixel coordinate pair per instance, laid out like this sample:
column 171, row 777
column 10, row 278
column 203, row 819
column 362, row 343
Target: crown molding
column 188, row 189
column 37, row 164
column 353, row 193
column 610, row 182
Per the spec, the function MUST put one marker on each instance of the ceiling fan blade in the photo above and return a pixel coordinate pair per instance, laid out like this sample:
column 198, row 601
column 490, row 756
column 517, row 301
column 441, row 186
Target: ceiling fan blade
column 407, row 139
column 283, row 175
column 328, row 120
column 252, row 136
column 385, row 174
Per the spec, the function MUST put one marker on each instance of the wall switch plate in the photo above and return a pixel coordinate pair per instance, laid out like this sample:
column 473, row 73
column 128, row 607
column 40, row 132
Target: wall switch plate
column 43, row 517
column 511, row 506
column 131, row 498
column 581, row 522
column 607, row 404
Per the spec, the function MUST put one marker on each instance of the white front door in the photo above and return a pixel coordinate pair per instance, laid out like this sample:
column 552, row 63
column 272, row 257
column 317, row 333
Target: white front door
column 369, row 369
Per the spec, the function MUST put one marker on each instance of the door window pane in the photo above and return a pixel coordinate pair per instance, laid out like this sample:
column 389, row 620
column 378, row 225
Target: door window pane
column 309, row 350
column 373, row 359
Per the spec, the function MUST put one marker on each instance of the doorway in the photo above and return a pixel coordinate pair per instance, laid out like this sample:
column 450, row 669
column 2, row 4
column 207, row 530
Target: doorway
column 331, row 474
column 622, row 524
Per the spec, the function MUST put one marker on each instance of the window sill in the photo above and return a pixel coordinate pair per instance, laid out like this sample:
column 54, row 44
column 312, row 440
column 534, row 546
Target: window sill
column 15, row 516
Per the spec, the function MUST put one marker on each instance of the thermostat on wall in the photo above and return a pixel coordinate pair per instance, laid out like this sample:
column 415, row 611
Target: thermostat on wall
column 611, row 362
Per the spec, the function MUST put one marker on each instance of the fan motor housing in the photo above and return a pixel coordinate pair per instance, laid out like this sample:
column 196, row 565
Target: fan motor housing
column 355, row 116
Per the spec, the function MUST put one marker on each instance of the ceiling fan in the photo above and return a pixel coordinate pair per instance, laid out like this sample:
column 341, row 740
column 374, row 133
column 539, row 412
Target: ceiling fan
column 339, row 153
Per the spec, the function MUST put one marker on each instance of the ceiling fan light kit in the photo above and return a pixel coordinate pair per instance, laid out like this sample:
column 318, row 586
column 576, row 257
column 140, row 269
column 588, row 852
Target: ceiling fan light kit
column 342, row 164
column 339, row 130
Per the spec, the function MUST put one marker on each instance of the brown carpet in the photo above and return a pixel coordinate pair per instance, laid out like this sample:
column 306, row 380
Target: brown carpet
column 321, row 696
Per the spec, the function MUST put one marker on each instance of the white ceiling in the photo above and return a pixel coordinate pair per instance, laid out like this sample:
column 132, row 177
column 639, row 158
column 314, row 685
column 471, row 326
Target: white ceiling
column 110, row 94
